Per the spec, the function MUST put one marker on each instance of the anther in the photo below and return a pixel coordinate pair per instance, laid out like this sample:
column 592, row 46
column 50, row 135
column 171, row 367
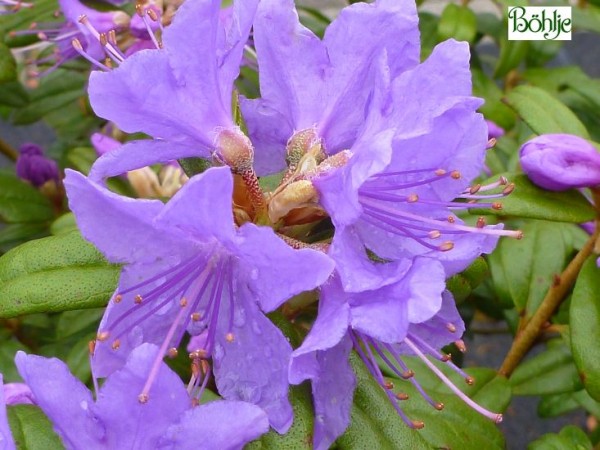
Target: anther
column 455, row 174
column 439, row 406
column 183, row 302
column 143, row 398
column 195, row 402
column 440, row 172
column 470, row 381
column 77, row 45
column 491, row 143
column 139, row 8
column 229, row 337
column 480, row 222
column 103, row 39
column 434, row 234
column 412, row 198
column 118, row 298
column 474, row 189
column 451, row 219
column 460, row 345
column 408, row 374
column 508, row 189
column 497, row 206
column 417, row 424
column 446, row 246
column 92, row 347
column 112, row 37
column 102, row 336
column 503, row 180
column 116, row 344
column 451, row 327
column 42, row 36
column 152, row 14
column 196, row 317
column 498, row 418
column 388, row 385
column 138, row 299
column 402, row 396
column 172, row 352
column 447, row 357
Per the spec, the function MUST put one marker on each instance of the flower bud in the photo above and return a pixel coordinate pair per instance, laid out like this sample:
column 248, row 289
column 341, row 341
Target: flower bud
column 494, row 130
column 18, row 394
column 558, row 162
column 34, row 167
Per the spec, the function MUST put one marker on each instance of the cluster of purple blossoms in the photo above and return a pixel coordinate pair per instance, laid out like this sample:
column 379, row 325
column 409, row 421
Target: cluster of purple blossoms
column 376, row 154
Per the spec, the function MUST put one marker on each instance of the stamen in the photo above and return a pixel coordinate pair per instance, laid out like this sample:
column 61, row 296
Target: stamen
column 79, row 49
column 451, row 327
column 480, row 409
column 144, row 395
column 172, row 352
column 116, row 344
column 111, row 51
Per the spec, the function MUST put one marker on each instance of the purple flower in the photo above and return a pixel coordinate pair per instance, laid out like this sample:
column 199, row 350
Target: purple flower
column 400, row 192
column 18, row 394
column 558, row 162
column 6, row 439
column 116, row 419
column 410, row 315
column 181, row 94
column 322, row 87
column 187, row 267
column 34, row 167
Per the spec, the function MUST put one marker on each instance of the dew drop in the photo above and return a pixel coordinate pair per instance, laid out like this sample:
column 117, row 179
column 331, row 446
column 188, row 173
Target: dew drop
column 239, row 317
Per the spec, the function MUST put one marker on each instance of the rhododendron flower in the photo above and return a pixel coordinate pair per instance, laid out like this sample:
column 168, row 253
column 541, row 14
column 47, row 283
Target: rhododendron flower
column 188, row 268
column 116, row 419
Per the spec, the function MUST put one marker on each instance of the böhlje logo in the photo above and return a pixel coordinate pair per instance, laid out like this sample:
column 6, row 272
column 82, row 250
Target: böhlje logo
column 539, row 23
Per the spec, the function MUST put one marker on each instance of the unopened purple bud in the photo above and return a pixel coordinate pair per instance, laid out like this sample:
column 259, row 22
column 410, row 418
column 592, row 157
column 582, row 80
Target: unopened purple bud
column 18, row 394
column 558, row 162
column 34, row 167
column 494, row 130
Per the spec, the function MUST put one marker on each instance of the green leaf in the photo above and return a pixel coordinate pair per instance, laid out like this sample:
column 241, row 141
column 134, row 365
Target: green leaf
column 462, row 284
column 376, row 424
column 523, row 270
column 543, row 112
column 529, row 201
column 584, row 326
column 493, row 108
column 56, row 91
column 31, row 429
column 511, row 55
column 21, row 202
column 53, row 274
column 13, row 94
column 300, row 434
column 550, row 372
column 17, row 233
column 458, row 22
column 8, row 66
column 194, row 166
column 64, row 224
column 554, row 405
column 8, row 349
column 569, row 438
